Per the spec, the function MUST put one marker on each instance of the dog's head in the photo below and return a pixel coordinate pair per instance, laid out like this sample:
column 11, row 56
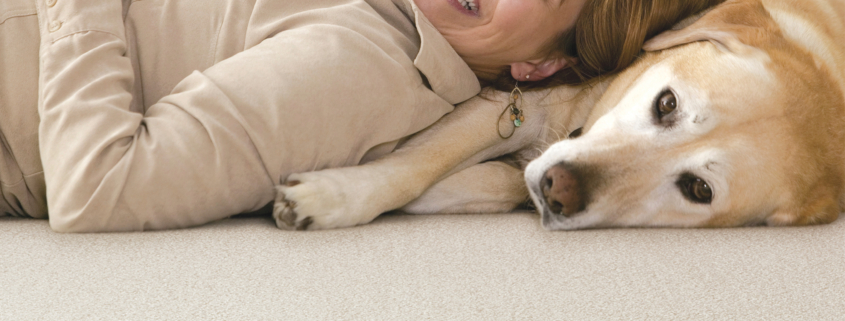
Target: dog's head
column 723, row 123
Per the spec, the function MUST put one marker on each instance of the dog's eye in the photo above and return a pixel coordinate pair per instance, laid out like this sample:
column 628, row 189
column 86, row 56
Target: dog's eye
column 666, row 104
column 695, row 189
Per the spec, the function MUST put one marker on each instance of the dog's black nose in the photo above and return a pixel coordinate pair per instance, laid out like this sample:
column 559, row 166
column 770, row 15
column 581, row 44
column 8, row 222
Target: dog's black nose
column 562, row 189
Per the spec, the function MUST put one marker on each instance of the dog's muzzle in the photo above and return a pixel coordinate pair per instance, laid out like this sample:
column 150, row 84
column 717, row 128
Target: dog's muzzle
column 563, row 190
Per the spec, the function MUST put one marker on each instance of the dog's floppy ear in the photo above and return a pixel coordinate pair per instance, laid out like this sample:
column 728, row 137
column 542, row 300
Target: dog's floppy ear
column 735, row 26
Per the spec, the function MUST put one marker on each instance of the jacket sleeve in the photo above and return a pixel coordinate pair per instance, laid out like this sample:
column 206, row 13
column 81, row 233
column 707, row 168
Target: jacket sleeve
column 320, row 94
column 110, row 169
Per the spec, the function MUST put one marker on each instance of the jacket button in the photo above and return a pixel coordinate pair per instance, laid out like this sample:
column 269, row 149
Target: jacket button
column 55, row 25
column 51, row 3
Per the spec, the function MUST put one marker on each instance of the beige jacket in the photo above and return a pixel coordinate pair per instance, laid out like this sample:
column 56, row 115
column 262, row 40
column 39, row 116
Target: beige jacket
column 173, row 113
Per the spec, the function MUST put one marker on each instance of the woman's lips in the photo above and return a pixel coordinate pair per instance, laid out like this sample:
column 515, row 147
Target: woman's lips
column 461, row 8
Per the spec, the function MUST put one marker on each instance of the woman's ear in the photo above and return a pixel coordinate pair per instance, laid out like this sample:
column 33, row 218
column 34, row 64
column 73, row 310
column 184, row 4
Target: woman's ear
column 537, row 70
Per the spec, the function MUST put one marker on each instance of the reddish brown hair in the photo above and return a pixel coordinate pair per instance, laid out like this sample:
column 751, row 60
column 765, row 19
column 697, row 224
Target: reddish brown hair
column 608, row 37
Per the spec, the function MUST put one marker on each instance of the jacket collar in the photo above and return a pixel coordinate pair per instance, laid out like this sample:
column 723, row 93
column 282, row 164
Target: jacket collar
column 447, row 73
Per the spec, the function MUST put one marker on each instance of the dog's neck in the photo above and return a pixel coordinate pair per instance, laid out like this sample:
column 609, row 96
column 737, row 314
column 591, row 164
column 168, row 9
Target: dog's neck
column 559, row 111
column 828, row 49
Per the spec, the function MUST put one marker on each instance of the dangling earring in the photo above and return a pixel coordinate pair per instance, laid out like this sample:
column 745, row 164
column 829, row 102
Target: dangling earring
column 516, row 114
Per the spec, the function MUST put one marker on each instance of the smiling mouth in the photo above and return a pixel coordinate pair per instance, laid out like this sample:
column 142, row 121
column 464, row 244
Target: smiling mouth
column 469, row 7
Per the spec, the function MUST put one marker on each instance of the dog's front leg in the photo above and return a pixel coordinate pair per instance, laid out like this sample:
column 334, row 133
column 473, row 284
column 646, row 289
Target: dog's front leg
column 490, row 187
column 343, row 197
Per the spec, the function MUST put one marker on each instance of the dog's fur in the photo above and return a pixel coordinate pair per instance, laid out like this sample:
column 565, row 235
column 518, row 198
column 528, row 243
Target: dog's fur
column 760, row 119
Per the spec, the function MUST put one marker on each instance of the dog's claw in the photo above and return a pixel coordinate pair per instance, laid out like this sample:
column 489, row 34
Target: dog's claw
column 285, row 214
column 289, row 216
column 303, row 225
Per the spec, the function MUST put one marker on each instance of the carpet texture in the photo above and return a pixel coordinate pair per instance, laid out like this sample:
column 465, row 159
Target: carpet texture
column 404, row 267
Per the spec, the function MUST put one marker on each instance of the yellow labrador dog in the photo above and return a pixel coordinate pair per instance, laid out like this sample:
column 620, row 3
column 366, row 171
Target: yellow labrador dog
column 735, row 118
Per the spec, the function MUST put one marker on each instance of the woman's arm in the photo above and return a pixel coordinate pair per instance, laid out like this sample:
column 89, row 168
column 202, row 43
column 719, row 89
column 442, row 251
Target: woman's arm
column 318, row 95
column 110, row 169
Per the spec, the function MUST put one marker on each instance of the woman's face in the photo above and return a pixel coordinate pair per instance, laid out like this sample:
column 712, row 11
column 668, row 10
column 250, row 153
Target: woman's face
column 494, row 34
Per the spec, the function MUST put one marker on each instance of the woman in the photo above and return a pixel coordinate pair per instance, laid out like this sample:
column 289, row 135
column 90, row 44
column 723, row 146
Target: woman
column 109, row 123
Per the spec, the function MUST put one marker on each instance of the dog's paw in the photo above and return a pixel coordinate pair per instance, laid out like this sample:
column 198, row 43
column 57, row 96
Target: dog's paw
column 284, row 214
column 321, row 200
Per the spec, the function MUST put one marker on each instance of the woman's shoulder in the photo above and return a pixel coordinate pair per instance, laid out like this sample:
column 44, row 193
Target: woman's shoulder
column 370, row 19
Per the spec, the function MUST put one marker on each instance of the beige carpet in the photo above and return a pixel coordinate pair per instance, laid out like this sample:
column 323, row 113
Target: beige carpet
column 402, row 267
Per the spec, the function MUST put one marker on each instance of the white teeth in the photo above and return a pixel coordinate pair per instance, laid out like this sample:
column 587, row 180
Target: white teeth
column 469, row 4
